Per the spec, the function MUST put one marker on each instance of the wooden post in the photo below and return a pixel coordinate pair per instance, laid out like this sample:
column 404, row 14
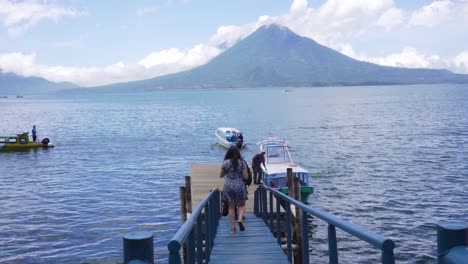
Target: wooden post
column 183, row 215
column 188, row 193
column 183, row 205
column 297, row 221
column 290, row 184
column 292, row 223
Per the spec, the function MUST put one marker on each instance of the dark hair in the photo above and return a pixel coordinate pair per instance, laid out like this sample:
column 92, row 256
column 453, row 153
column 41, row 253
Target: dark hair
column 234, row 155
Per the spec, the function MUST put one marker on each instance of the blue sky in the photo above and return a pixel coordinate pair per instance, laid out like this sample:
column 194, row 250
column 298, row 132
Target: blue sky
column 100, row 42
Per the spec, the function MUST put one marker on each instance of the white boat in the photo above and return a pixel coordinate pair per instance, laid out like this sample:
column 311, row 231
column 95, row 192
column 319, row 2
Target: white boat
column 228, row 136
column 277, row 161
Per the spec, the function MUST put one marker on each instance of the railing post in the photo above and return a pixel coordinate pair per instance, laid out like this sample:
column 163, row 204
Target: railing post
column 191, row 247
column 387, row 252
column 200, row 239
column 256, row 199
column 305, row 238
column 174, row 252
column 264, row 206
column 278, row 220
column 271, row 213
column 288, row 231
column 332, row 247
column 138, row 246
column 208, row 231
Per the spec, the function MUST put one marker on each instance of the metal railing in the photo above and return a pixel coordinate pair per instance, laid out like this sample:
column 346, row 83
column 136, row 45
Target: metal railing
column 264, row 209
column 198, row 232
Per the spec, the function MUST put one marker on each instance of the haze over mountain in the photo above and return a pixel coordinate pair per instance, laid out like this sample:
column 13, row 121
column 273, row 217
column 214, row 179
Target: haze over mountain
column 12, row 84
column 275, row 56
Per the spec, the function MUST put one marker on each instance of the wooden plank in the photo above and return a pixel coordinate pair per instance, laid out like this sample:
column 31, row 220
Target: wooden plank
column 254, row 245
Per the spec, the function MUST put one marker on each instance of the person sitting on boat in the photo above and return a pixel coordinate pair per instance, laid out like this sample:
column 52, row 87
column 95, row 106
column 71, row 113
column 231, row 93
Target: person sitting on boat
column 240, row 140
column 34, row 133
column 257, row 161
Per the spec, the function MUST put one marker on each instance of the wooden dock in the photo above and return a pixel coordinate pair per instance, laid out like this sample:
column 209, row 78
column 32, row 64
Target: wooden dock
column 254, row 245
column 205, row 177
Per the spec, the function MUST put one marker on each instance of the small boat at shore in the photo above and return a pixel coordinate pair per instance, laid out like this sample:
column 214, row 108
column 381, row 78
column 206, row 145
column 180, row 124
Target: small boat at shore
column 229, row 136
column 21, row 141
column 277, row 161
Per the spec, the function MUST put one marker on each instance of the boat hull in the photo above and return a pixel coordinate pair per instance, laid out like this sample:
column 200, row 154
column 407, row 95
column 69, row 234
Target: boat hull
column 25, row 146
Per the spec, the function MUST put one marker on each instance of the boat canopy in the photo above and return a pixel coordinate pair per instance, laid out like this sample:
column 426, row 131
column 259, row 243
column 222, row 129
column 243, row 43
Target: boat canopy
column 277, row 155
column 231, row 136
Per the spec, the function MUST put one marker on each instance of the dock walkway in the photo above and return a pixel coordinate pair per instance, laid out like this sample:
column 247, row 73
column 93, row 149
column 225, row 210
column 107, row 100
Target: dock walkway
column 254, row 245
column 205, row 177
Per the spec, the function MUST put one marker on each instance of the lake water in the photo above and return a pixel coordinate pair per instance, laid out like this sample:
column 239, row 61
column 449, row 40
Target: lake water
column 391, row 159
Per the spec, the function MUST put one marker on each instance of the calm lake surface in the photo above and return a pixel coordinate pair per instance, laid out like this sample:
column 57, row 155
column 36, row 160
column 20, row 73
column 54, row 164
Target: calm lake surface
column 392, row 159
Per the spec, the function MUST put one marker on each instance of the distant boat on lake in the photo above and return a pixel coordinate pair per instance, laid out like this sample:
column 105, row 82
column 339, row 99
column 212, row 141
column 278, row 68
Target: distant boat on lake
column 229, row 136
column 21, row 141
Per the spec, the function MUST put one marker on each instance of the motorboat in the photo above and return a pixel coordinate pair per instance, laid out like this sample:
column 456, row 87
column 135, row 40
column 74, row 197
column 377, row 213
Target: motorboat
column 21, row 141
column 277, row 161
column 229, row 136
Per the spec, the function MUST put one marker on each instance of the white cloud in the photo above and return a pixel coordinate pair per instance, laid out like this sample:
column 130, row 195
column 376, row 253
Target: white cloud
column 200, row 54
column 459, row 64
column 18, row 17
column 168, row 56
column 336, row 23
column 411, row 57
column 433, row 14
column 391, row 18
column 229, row 35
column 155, row 64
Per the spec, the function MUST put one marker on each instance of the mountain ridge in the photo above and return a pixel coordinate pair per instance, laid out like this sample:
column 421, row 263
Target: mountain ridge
column 275, row 56
column 12, row 84
column 272, row 56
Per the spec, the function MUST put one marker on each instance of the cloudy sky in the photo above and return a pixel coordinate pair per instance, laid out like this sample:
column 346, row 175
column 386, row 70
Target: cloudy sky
column 93, row 43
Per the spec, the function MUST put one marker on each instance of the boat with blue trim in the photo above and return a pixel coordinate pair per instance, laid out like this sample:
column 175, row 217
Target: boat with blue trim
column 277, row 161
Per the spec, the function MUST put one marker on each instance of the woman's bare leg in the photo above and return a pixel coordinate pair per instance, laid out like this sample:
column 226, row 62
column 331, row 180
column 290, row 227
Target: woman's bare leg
column 232, row 213
column 241, row 210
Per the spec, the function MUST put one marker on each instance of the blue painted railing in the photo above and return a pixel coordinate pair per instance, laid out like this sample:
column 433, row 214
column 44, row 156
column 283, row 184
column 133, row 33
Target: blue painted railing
column 262, row 209
column 199, row 230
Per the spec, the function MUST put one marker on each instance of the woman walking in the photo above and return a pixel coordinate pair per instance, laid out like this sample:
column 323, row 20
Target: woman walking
column 235, row 172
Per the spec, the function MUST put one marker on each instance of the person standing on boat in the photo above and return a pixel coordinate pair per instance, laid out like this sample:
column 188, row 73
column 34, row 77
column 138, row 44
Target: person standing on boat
column 234, row 173
column 34, row 133
column 257, row 161
column 240, row 140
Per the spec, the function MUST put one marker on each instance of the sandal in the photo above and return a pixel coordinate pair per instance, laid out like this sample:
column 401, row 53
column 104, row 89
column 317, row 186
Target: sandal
column 233, row 230
column 241, row 226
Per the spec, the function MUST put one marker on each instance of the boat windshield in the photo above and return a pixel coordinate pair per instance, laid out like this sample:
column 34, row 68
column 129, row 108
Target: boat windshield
column 277, row 154
column 230, row 136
